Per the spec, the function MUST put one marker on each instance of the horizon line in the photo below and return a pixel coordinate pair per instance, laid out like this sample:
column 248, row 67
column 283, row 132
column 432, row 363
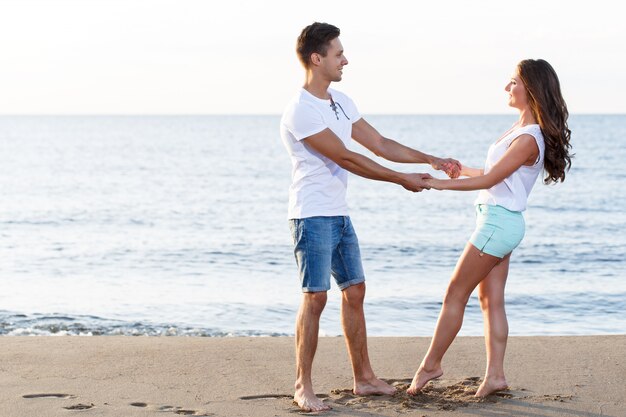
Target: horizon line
column 272, row 114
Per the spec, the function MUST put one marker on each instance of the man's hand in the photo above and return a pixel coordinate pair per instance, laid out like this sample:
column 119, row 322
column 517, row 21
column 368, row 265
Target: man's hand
column 416, row 182
column 450, row 166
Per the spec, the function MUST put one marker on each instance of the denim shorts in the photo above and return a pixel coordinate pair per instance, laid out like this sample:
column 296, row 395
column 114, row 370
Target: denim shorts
column 498, row 230
column 325, row 246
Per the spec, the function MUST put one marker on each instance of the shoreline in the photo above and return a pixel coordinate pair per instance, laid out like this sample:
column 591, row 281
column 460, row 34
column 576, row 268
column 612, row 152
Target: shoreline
column 253, row 376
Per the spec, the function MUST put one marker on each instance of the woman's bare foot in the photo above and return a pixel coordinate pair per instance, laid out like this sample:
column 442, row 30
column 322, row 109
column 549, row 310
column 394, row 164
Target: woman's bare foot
column 491, row 385
column 373, row 387
column 421, row 378
column 308, row 401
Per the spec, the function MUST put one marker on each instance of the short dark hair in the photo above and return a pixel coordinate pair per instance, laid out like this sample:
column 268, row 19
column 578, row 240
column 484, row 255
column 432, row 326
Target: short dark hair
column 315, row 38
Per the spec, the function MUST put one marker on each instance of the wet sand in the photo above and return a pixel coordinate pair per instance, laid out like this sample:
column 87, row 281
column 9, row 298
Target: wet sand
column 161, row 376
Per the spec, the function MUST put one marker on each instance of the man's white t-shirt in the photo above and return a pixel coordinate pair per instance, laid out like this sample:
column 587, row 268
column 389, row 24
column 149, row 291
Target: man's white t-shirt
column 318, row 185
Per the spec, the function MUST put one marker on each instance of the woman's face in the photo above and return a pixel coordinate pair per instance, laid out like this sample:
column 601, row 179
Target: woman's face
column 517, row 92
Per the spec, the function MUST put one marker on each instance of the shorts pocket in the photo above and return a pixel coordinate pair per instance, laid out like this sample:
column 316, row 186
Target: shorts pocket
column 295, row 227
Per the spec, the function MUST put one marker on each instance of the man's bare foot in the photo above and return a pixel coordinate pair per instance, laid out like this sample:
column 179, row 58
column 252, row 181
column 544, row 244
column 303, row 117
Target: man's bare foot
column 421, row 378
column 491, row 385
column 373, row 387
column 308, row 401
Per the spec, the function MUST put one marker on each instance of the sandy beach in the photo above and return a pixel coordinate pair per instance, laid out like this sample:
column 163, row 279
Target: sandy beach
column 144, row 376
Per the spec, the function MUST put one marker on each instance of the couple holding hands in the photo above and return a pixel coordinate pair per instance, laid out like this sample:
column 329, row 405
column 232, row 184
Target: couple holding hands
column 317, row 128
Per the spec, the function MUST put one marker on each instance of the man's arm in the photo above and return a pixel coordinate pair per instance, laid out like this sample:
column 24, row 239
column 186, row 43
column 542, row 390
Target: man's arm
column 329, row 145
column 368, row 136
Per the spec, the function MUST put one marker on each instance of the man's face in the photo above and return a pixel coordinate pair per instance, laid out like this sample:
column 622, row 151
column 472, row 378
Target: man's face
column 332, row 64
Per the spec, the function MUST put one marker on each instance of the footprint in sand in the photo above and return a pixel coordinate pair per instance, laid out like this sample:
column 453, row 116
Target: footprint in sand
column 61, row 396
column 170, row 408
column 48, row 396
column 80, row 407
column 263, row 396
column 181, row 411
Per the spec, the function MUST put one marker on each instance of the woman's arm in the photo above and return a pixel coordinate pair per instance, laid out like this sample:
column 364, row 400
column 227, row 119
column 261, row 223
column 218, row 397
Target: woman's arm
column 471, row 172
column 521, row 150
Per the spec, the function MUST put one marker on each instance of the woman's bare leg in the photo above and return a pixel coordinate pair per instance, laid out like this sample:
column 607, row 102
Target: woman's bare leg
column 473, row 266
column 491, row 295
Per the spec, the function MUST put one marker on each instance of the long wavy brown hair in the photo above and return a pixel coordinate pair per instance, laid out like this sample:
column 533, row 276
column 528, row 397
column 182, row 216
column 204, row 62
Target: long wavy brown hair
column 549, row 109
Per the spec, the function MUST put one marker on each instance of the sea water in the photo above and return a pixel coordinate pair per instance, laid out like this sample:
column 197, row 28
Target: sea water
column 176, row 225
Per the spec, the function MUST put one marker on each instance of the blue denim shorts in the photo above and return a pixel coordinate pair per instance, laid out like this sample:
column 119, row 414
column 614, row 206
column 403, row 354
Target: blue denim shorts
column 326, row 246
column 498, row 230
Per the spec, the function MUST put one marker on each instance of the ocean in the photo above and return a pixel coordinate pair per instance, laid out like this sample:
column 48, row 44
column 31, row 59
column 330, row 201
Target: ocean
column 176, row 225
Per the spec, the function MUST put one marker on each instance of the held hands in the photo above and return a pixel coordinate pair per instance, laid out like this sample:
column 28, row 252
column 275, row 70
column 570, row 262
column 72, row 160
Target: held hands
column 450, row 166
column 416, row 182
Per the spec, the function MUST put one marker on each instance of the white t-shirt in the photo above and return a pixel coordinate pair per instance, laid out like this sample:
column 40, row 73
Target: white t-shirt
column 512, row 193
column 318, row 185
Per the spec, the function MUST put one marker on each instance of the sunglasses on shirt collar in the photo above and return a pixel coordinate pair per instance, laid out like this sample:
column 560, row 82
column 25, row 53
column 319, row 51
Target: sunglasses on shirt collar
column 334, row 105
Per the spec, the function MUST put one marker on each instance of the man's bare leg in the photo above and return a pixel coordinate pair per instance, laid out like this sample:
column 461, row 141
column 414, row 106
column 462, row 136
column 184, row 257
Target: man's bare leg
column 472, row 267
column 491, row 296
column 307, row 329
column 353, row 321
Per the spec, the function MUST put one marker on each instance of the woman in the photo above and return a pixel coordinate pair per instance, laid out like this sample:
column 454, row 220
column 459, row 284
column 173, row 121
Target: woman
column 539, row 140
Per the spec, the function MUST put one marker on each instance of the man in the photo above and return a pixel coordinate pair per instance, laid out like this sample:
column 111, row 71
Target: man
column 316, row 128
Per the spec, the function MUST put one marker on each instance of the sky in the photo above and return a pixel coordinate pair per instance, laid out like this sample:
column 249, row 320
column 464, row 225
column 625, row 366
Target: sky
column 238, row 56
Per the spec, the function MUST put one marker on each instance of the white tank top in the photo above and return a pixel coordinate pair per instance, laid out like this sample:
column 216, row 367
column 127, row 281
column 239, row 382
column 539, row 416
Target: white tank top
column 512, row 193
